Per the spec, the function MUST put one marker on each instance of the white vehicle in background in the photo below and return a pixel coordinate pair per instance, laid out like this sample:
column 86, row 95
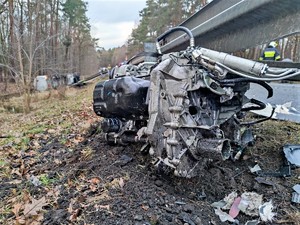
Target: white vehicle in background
column 44, row 82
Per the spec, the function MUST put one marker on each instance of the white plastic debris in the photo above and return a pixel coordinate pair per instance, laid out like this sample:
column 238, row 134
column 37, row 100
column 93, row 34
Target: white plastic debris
column 250, row 203
column 229, row 199
column 226, row 202
column 297, row 188
column 292, row 154
column 282, row 112
column 223, row 215
column 265, row 212
column 295, row 197
column 218, row 204
column 255, row 168
column 34, row 180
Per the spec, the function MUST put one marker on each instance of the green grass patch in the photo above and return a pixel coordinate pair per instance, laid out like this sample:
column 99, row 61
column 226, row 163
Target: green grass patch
column 46, row 181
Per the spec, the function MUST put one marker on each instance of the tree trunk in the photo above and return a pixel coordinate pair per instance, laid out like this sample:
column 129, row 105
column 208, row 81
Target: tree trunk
column 27, row 100
column 297, row 53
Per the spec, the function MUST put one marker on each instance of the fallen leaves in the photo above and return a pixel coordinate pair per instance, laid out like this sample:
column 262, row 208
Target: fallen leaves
column 35, row 207
column 94, row 184
column 37, row 143
column 30, row 212
column 117, row 183
column 16, row 209
column 121, row 183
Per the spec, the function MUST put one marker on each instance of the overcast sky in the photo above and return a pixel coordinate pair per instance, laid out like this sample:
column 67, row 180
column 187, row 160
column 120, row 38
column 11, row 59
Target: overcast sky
column 112, row 20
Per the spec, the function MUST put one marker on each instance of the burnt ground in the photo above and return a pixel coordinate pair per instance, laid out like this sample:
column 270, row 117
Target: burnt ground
column 80, row 179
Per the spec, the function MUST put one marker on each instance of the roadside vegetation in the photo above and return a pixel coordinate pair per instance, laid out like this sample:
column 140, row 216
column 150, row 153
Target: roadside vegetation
column 55, row 168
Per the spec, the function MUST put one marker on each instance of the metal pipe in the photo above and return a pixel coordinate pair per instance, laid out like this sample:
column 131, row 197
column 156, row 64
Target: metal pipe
column 210, row 146
column 240, row 64
column 172, row 30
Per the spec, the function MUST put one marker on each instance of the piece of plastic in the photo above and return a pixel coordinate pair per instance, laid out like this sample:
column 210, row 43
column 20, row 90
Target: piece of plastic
column 292, row 154
column 250, row 203
column 255, row 168
column 234, row 210
column 265, row 212
column 295, row 197
column 223, row 215
column 297, row 188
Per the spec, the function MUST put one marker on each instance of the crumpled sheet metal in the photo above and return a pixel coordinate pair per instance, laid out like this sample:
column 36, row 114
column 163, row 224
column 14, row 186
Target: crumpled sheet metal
column 292, row 154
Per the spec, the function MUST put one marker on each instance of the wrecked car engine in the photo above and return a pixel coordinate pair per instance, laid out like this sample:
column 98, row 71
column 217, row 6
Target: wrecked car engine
column 187, row 108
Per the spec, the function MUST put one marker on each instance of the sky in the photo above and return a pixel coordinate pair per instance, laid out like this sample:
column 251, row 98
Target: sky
column 113, row 20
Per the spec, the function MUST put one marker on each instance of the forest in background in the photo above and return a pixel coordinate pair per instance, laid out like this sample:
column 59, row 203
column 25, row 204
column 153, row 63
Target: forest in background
column 160, row 15
column 44, row 37
column 48, row 35
column 52, row 37
column 157, row 17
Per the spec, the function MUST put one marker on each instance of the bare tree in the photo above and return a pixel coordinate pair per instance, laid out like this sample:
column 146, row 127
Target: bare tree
column 33, row 36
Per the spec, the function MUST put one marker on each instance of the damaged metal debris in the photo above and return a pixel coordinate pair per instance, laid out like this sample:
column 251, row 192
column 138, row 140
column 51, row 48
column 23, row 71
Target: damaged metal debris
column 185, row 107
column 291, row 160
column 292, row 154
column 249, row 203
column 296, row 194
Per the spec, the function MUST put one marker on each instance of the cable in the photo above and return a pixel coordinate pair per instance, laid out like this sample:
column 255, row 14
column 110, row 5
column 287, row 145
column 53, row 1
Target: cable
column 258, row 121
column 260, row 105
column 237, row 80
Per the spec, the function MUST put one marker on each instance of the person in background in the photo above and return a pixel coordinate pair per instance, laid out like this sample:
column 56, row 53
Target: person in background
column 271, row 52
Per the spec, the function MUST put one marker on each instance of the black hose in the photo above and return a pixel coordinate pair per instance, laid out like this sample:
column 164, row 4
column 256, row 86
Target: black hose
column 258, row 121
column 260, row 105
column 238, row 80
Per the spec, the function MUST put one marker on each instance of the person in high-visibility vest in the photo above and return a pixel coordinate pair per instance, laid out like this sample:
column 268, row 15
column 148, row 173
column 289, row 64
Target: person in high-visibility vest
column 271, row 52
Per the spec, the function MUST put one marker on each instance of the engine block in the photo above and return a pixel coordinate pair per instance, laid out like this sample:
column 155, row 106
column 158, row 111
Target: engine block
column 180, row 113
column 186, row 108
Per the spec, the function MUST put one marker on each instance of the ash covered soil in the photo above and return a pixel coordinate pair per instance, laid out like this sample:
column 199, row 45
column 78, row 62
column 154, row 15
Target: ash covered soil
column 80, row 179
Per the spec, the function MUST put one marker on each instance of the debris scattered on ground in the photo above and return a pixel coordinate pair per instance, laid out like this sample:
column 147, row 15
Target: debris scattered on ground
column 282, row 112
column 252, row 222
column 83, row 180
column 263, row 180
column 223, row 216
column 297, row 188
column 292, row 154
column 295, row 197
column 296, row 194
column 219, row 204
column 255, row 168
column 283, row 171
column 34, row 180
column 229, row 199
column 234, row 210
column 125, row 159
column 265, row 212
column 250, row 203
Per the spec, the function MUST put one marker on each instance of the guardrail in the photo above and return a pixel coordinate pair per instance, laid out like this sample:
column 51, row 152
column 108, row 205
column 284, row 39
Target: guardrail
column 233, row 25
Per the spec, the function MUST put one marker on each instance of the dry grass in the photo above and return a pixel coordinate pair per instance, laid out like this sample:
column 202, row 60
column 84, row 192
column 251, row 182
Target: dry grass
column 44, row 105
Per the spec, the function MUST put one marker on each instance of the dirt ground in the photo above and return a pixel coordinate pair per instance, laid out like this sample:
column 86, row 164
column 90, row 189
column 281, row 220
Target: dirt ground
column 58, row 169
